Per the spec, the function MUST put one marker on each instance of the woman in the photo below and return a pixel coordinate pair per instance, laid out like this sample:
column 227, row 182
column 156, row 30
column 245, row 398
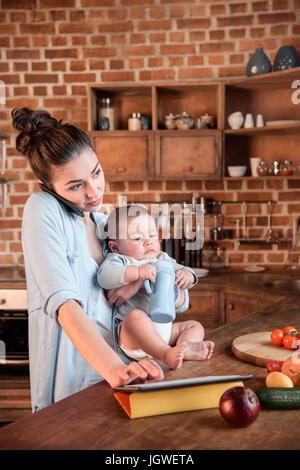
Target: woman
column 70, row 333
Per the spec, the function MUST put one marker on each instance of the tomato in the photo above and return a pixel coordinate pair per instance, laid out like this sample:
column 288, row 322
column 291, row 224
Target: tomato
column 277, row 337
column 274, row 366
column 290, row 342
column 288, row 329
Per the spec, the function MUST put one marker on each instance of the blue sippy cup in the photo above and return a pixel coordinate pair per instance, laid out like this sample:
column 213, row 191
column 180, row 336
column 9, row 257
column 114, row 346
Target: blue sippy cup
column 162, row 301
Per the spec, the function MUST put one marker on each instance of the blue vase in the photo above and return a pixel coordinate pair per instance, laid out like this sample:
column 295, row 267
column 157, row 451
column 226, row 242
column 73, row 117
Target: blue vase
column 259, row 63
column 286, row 58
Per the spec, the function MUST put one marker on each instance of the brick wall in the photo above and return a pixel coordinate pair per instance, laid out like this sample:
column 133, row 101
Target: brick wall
column 50, row 50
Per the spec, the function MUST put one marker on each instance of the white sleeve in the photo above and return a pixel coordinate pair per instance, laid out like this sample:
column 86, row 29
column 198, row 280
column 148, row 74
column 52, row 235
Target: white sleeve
column 112, row 271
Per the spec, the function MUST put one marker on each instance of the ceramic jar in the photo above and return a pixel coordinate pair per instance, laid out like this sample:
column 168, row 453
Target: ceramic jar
column 236, row 120
column 259, row 63
column 208, row 119
column 286, row 58
column 170, row 121
column 184, row 121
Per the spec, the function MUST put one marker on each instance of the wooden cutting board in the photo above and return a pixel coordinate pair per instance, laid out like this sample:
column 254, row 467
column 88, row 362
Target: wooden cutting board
column 257, row 349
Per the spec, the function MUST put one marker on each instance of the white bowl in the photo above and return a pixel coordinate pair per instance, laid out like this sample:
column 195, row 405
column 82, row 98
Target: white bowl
column 237, row 170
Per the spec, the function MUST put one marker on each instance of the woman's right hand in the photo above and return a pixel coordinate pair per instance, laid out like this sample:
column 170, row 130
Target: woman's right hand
column 141, row 371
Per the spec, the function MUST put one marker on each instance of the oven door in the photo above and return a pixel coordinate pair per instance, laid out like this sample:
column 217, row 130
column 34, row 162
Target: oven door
column 13, row 327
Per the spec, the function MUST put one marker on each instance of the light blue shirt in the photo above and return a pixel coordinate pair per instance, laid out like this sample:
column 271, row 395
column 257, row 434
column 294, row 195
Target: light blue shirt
column 59, row 267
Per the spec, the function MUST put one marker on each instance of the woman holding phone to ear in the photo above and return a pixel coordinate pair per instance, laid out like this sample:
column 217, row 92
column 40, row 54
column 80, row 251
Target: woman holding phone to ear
column 70, row 331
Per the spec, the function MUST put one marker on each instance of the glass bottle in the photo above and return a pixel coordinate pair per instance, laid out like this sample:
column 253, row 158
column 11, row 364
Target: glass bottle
column 134, row 122
column 286, row 168
column 107, row 111
column 262, row 169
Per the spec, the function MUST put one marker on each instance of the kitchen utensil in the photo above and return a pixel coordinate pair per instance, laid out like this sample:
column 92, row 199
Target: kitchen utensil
column 237, row 170
column 257, row 348
column 249, row 121
column 254, row 162
column 235, row 120
column 253, row 268
column 244, row 212
column 271, row 235
column 205, row 204
column 259, row 121
column 282, row 122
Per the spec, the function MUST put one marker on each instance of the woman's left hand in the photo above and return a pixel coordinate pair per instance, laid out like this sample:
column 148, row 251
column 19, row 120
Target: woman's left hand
column 135, row 372
column 119, row 295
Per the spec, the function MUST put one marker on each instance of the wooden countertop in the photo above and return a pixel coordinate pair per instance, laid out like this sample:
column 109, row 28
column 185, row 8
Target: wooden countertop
column 92, row 419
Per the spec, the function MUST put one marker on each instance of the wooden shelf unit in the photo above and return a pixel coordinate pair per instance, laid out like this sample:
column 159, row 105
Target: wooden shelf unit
column 159, row 153
column 270, row 95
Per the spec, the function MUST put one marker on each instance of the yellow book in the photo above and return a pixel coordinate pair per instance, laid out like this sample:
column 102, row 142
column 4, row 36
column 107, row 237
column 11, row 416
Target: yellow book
column 175, row 396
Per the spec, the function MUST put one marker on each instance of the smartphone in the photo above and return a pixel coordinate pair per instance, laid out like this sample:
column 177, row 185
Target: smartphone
column 64, row 201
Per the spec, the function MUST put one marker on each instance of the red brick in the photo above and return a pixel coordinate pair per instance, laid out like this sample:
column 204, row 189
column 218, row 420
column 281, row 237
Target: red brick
column 41, row 78
column 138, row 50
column 99, row 40
column 59, row 41
column 23, row 54
column 260, row 6
column 45, row 28
column 10, row 78
column 195, row 60
column 40, row 91
column 231, row 71
column 92, row 52
column 177, row 49
column 280, row 4
column 244, row 20
column 136, row 63
column 201, row 72
column 154, row 25
column 237, row 33
column 58, row 65
column 77, row 15
column 14, row 4
column 117, row 76
column 271, row 18
column 61, row 53
column 79, row 77
column 115, row 27
column 157, row 37
column 40, row 41
column 60, row 102
column 18, row 41
column 194, row 23
column 37, row 15
column 57, row 3
column 97, row 64
column 76, row 28
column 217, row 47
column 162, row 74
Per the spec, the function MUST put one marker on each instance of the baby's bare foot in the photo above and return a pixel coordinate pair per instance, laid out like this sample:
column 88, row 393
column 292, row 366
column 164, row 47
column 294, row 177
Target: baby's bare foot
column 198, row 351
column 173, row 357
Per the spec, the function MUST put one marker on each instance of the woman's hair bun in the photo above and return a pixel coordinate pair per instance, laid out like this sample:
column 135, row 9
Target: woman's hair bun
column 29, row 122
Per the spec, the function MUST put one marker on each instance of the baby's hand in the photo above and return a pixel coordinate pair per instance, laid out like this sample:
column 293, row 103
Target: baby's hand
column 184, row 278
column 147, row 271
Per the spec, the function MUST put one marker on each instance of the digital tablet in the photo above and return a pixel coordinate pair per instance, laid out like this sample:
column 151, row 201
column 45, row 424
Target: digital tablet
column 165, row 384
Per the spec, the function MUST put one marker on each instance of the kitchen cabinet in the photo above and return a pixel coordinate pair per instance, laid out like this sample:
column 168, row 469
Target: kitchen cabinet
column 203, row 307
column 274, row 96
column 158, row 153
column 235, row 304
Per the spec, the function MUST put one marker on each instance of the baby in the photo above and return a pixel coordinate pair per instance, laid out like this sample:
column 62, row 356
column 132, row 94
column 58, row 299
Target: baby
column 133, row 241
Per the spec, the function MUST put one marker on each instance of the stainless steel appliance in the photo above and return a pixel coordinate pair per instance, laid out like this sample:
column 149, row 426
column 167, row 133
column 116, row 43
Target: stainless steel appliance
column 13, row 327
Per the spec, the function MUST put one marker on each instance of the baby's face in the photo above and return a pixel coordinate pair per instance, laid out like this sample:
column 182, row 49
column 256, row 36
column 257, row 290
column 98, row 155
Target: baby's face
column 141, row 240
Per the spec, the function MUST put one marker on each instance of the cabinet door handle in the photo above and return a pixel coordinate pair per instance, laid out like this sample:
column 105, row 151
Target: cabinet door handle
column 231, row 306
column 122, row 169
column 188, row 169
